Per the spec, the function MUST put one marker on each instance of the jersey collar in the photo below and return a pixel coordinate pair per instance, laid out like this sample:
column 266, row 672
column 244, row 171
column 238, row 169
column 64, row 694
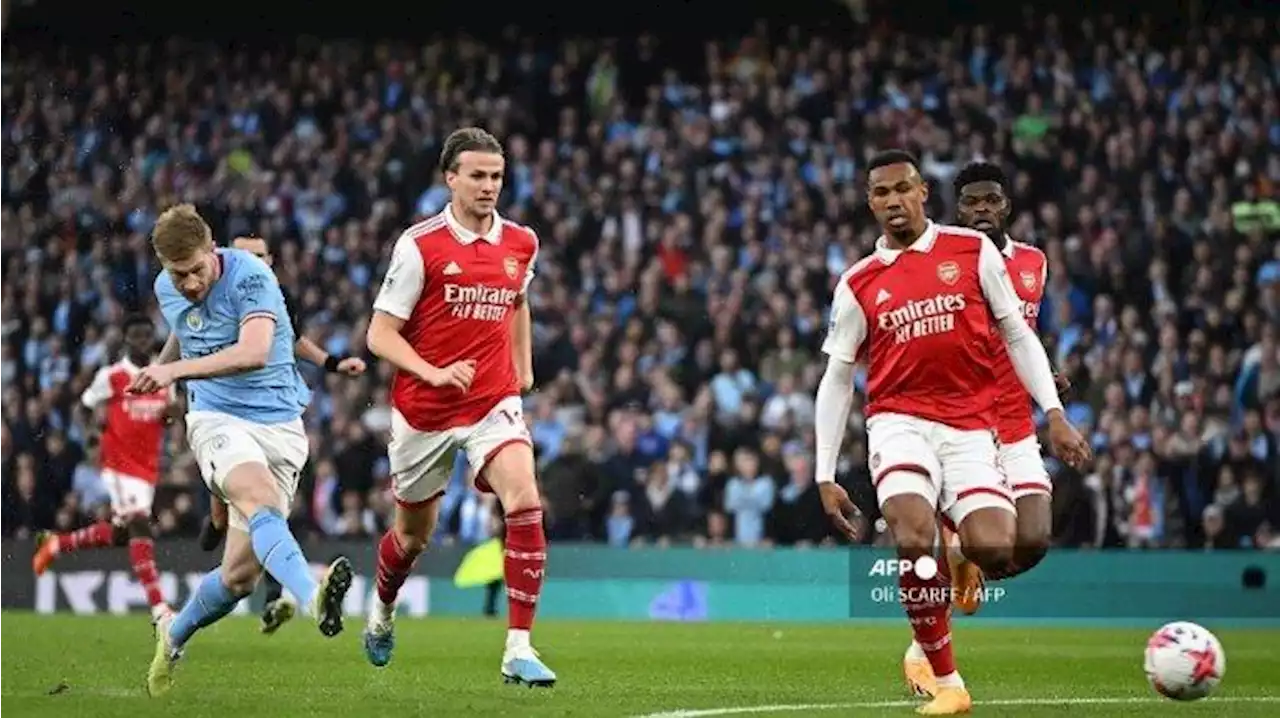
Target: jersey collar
column 1007, row 250
column 888, row 255
column 466, row 236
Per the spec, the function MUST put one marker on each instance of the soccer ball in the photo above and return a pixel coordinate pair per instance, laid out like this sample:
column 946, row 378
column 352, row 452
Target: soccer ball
column 1184, row 661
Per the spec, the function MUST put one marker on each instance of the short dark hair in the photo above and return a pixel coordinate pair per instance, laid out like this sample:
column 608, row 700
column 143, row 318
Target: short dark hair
column 137, row 319
column 980, row 172
column 466, row 139
column 892, row 157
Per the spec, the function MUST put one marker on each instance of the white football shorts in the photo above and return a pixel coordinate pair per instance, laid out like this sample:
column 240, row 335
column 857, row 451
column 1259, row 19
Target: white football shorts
column 1023, row 468
column 221, row 442
column 955, row 470
column 422, row 461
column 130, row 496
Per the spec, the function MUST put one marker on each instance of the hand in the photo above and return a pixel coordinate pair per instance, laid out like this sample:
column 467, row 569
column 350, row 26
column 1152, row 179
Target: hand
column 1062, row 382
column 152, row 378
column 352, row 366
column 457, row 375
column 1067, row 443
column 526, row 382
column 840, row 508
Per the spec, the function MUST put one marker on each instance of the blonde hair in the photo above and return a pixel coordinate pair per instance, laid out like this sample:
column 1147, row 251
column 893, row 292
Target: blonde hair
column 180, row 232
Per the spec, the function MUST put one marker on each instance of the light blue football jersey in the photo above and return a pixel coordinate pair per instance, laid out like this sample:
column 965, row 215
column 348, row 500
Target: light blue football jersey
column 247, row 288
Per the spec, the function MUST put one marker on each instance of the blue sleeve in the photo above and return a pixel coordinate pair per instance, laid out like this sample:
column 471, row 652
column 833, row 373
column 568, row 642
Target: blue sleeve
column 255, row 292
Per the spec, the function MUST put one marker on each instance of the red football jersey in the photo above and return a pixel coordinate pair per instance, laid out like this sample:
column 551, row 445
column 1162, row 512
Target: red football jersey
column 922, row 321
column 134, row 424
column 457, row 292
column 1028, row 268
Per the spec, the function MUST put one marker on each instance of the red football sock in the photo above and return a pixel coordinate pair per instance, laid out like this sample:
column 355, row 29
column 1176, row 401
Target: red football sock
column 99, row 535
column 142, row 557
column 928, row 606
column 524, row 562
column 394, row 565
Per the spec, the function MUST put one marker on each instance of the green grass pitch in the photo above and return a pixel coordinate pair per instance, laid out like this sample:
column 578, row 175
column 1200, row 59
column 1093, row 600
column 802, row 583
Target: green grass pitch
column 95, row 666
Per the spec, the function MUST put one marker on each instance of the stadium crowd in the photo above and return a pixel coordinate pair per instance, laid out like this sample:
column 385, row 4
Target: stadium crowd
column 693, row 220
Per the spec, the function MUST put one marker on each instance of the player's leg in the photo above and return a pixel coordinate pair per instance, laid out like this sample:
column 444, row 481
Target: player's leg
column 255, row 467
column 906, row 474
column 214, row 598
column 101, row 534
column 398, row 552
column 421, row 463
column 502, row 451
column 1033, row 496
column 976, row 499
column 142, row 551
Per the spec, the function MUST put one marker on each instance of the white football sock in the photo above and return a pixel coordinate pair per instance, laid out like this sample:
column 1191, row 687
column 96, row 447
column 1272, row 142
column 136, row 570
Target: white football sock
column 915, row 652
column 517, row 638
column 951, row 680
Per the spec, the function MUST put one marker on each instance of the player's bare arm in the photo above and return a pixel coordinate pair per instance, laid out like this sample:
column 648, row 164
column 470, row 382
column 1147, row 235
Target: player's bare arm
column 522, row 345
column 834, row 401
column 1028, row 356
column 387, row 343
column 308, row 350
column 247, row 354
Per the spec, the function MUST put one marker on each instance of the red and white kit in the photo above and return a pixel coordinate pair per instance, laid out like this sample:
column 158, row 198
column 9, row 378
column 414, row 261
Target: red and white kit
column 132, row 436
column 458, row 292
column 921, row 320
column 1019, row 454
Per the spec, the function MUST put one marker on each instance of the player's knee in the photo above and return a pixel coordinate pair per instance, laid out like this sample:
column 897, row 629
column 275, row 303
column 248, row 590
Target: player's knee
column 138, row 527
column 911, row 522
column 988, row 536
column 1032, row 545
column 510, row 474
column 1035, row 520
column 250, row 487
column 120, row 533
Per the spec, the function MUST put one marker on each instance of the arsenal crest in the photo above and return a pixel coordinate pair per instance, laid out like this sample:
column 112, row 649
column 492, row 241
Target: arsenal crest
column 512, row 266
column 1028, row 280
column 949, row 272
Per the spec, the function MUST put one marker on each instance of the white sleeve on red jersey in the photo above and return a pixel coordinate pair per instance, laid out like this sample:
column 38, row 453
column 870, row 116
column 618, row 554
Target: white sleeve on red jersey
column 406, row 276
column 1026, row 353
column 997, row 287
column 848, row 325
column 529, row 270
column 99, row 391
column 847, row 331
column 831, row 417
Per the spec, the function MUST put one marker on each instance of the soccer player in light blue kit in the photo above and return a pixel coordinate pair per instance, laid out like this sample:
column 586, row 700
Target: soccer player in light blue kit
column 229, row 323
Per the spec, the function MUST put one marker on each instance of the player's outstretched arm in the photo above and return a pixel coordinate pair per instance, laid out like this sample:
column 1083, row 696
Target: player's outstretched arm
column 251, row 350
column 848, row 329
column 1027, row 354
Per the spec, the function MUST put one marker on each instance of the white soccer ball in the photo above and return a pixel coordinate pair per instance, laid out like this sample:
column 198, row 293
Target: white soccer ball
column 1184, row 661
